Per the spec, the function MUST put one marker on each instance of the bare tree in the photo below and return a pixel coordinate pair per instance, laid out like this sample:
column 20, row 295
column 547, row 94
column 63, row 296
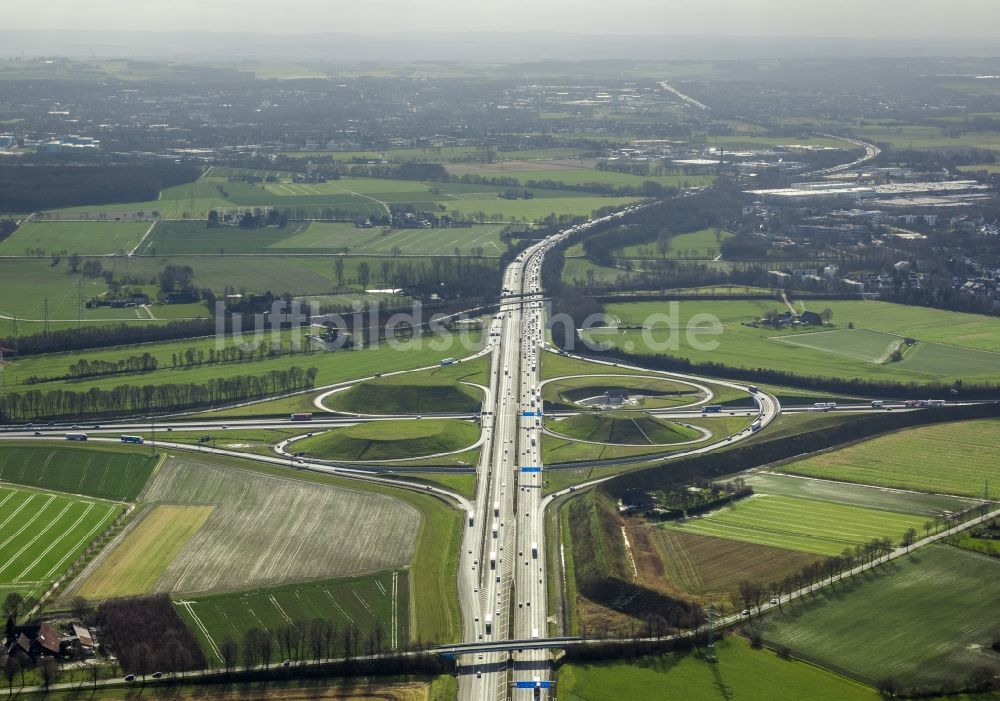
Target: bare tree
column 49, row 669
column 266, row 648
column 11, row 666
column 229, row 652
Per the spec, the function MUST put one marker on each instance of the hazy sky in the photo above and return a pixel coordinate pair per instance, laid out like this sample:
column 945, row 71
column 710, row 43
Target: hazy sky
column 857, row 18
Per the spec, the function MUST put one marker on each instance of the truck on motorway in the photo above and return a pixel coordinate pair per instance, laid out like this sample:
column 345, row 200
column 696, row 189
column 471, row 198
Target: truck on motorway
column 133, row 439
column 448, row 361
column 752, row 389
column 755, row 426
column 496, row 529
column 305, row 416
column 496, row 508
column 935, row 402
column 76, row 436
column 534, row 550
column 825, row 405
column 878, row 404
column 472, row 518
column 489, row 623
column 493, row 560
column 534, row 632
column 711, row 409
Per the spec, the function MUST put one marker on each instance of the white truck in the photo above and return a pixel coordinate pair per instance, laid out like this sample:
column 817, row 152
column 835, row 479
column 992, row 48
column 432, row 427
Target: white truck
column 489, row 624
column 534, row 550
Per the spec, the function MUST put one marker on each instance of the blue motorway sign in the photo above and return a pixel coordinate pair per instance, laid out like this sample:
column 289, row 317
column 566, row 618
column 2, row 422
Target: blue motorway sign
column 531, row 469
column 533, row 685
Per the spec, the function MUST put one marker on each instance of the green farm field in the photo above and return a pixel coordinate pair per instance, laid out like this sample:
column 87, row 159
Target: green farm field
column 391, row 440
column 118, row 474
column 376, row 600
column 949, row 458
column 83, row 237
column 44, row 533
column 923, row 621
column 839, row 352
column 975, row 331
column 741, row 674
column 805, row 525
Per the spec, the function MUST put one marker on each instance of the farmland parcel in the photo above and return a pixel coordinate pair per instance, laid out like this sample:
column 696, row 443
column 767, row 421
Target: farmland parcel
column 269, row 530
column 43, row 534
column 924, row 621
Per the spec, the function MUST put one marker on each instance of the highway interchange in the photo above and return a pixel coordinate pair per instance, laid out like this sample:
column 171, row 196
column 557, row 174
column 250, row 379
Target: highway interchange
column 503, row 569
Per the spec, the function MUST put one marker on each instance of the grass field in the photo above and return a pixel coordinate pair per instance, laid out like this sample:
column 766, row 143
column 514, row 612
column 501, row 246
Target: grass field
column 355, row 197
column 951, row 458
column 268, row 530
column 135, row 566
column 806, row 525
column 43, row 534
column 412, row 393
column 741, row 674
column 925, row 620
column 555, row 366
column 83, row 237
column 926, row 137
column 107, row 474
column 257, row 441
column 904, row 502
column 390, row 440
column 707, row 565
column 623, row 428
column 335, row 236
column 29, row 282
column 656, row 393
column 696, row 245
column 573, row 173
column 840, row 352
column 318, row 237
column 556, row 449
column 377, row 600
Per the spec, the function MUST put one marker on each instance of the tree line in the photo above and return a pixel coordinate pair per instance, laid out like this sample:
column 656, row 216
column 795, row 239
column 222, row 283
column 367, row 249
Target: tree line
column 32, row 187
column 92, row 336
column 136, row 399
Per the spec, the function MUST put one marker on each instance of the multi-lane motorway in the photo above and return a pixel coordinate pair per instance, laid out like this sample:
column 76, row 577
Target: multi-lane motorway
column 503, row 575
